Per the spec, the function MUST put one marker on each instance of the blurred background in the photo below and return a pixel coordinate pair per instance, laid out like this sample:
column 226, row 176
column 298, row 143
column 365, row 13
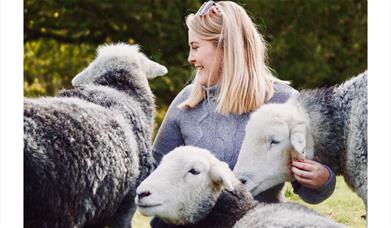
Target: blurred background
column 312, row 43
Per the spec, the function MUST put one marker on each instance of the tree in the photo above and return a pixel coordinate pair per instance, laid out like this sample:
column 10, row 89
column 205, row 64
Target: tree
column 311, row 42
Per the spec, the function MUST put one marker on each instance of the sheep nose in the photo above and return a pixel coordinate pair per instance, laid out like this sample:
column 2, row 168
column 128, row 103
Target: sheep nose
column 244, row 181
column 143, row 194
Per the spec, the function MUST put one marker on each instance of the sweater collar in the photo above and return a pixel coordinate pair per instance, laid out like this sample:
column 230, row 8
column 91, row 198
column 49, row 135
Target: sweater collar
column 211, row 91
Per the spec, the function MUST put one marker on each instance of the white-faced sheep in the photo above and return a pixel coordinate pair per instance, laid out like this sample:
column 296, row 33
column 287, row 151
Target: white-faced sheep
column 192, row 188
column 328, row 125
column 86, row 151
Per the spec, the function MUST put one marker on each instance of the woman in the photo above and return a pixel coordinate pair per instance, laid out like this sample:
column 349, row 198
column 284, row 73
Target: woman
column 232, row 81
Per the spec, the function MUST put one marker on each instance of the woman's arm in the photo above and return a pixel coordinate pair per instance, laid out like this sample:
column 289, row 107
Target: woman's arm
column 314, row 182
column 169, row 135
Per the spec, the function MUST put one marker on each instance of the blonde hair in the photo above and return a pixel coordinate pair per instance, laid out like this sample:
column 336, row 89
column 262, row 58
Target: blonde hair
column 246, row 81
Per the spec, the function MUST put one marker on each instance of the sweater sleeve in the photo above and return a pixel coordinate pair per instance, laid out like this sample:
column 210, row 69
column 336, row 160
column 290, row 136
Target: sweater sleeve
column 315, row 196
column 169, row 135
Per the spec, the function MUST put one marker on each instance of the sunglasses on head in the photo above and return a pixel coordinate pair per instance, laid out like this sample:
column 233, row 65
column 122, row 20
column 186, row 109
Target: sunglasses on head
column 205, row 7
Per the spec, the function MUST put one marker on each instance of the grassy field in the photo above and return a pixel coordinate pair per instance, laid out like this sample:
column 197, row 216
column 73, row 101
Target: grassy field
column 343, row 206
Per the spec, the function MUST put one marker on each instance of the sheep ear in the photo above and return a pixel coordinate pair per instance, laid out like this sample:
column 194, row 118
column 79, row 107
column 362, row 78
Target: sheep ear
column 298, row 139
column 221, row 174
column 302, row 141
column 152, row 69
column 80, row 78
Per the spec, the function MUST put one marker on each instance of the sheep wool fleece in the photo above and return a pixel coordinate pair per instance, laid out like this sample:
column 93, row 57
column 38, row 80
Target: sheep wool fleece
column 223, row 135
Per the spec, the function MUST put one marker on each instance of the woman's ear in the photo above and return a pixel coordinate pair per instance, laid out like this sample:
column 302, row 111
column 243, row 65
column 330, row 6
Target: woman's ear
column 221, row 174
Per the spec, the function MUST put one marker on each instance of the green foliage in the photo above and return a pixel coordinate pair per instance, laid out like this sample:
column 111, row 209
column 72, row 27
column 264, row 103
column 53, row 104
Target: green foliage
column 50, row 66
column 311, row 42
column 314, row 43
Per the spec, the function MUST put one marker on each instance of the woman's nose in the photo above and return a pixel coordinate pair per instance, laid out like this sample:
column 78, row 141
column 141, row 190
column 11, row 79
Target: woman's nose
column 191, row 59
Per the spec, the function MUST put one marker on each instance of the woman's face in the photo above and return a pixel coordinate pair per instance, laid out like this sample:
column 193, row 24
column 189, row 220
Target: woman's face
column 205, row 58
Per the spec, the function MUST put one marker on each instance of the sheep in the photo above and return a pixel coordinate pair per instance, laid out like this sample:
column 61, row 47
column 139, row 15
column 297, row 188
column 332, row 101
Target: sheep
column 86, row 150
column 328, row 125
column 192, row 188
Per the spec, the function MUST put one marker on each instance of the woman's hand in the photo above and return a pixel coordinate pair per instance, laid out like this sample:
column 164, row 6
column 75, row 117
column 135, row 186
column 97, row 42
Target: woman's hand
column 310, row 174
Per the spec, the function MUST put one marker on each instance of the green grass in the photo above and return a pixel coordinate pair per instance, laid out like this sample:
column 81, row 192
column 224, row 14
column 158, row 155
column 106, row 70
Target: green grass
column 343, row 206
column 140, row 221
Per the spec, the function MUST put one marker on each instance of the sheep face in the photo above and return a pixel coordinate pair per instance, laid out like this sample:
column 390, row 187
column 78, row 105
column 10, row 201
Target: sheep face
column 275, row 135
column 185, row 186
column 116, row 57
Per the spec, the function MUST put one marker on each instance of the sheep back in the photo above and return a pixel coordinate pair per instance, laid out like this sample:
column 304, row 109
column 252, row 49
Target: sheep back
column 76, row 153
column 338, row 117
column 353, row 99
column 284, row 215
column 138, row 112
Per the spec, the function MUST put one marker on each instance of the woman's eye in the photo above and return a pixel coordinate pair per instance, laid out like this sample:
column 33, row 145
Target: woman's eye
column 194, row 172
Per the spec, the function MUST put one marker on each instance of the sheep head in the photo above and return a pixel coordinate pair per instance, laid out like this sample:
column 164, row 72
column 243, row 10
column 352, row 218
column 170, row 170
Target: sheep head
column 119, row 57
column 275, row 135
column 185, row 186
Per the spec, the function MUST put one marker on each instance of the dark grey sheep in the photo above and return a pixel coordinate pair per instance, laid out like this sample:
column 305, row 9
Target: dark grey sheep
column 87, row 150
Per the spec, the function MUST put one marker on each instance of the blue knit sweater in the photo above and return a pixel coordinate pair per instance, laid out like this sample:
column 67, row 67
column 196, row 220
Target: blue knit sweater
column 223, row 135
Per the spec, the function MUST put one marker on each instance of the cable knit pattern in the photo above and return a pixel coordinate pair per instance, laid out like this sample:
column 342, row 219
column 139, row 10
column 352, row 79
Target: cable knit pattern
column 203, row 127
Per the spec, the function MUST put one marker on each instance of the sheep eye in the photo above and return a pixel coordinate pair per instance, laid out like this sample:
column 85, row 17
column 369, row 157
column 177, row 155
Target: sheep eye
column 194, row 172
column 274, row 142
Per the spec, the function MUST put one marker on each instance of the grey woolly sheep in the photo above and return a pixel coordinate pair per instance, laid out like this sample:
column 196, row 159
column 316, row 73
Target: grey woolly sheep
column 192, row 188
column 86, row 150
column 328, row 125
